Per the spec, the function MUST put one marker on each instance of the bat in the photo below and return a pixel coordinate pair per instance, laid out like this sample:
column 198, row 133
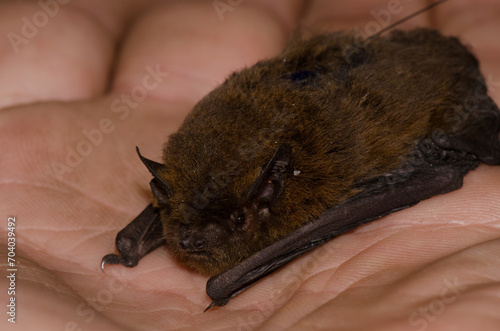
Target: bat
column 332, row 133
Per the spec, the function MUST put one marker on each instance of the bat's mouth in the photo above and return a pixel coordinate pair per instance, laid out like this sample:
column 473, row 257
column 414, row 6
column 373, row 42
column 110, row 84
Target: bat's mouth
column 195, row 254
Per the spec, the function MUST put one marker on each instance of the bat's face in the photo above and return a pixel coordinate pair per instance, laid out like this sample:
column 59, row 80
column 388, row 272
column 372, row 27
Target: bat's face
column 212, row 235
column 211, row 240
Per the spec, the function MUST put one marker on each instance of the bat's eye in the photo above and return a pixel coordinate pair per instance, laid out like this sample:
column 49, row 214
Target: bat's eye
column 239, row 219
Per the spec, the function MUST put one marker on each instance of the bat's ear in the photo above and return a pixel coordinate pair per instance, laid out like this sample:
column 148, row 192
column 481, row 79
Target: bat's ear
column 267, row 188
column 159, row 187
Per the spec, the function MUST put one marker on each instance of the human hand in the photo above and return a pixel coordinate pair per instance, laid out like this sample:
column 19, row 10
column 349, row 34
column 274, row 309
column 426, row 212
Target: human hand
column 72, row 179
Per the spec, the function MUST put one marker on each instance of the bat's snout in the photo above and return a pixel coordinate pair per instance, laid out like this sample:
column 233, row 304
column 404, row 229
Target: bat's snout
column 192, row 243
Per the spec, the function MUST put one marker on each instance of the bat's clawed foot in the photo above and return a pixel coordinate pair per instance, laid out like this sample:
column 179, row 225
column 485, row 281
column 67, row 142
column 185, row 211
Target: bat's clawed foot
column 117, row 259
column 143, row 235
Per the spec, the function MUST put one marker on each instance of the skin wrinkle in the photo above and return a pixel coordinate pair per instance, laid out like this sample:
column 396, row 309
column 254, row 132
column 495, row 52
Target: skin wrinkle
column 339, row 291
column 53, row 289
column 112, row 24
column 184, row 74
column 423, row 302
column 356, row 285
column 39, row 277
column 72, row 188
column 365, row 250
column 160, row 298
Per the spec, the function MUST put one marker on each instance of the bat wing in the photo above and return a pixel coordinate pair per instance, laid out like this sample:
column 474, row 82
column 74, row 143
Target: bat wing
column 422, row 184
column 141, row 236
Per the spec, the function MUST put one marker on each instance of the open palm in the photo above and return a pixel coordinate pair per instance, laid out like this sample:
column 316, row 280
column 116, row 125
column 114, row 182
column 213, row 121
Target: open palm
column 92, row 81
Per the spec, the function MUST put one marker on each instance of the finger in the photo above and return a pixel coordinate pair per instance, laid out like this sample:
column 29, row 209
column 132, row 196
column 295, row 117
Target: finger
column 288, row 12
column 192, row 46
column 367, row 16
column 52, row 52
column 114, row 16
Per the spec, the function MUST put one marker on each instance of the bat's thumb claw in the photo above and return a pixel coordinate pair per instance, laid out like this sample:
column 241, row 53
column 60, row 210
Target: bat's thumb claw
column 215, row 303
column 211, row 305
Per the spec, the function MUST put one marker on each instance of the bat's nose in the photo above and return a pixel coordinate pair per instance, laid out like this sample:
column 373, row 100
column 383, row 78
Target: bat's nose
column 192, row 243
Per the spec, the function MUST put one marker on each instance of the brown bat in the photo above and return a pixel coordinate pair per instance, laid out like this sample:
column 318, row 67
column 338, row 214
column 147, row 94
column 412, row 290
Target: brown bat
column 332, row 133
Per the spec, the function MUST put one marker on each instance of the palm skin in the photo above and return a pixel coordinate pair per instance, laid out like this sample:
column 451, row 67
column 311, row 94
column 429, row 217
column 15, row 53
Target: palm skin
column 434, row 266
